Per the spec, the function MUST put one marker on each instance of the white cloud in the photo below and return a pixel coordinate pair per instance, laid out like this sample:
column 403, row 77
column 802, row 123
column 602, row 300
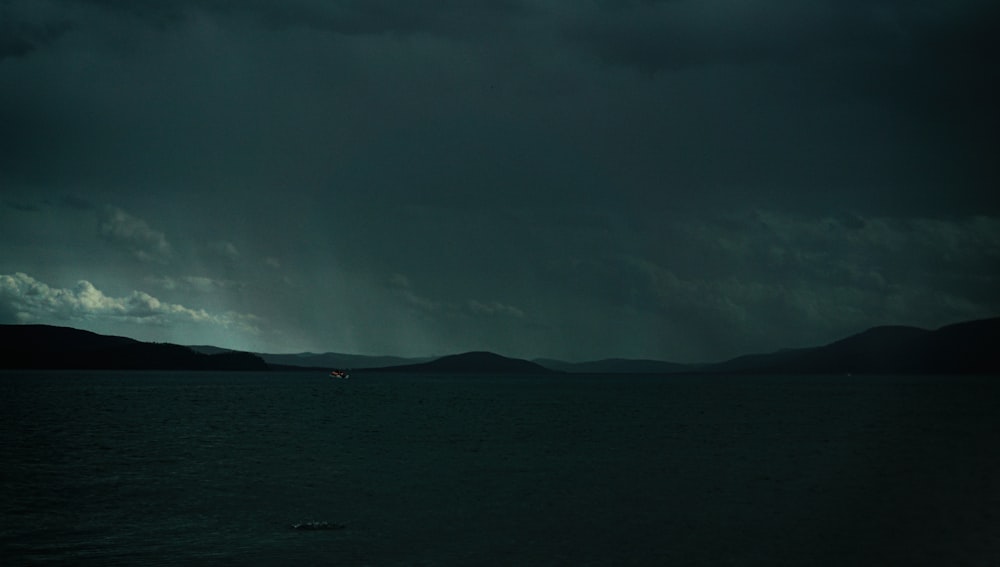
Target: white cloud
column 201, row 284
column 135, row 235
column 420, row 302
column 32, row 301
column 402, row 287
column 494, row 308
column 399, row 281
column 224, row 249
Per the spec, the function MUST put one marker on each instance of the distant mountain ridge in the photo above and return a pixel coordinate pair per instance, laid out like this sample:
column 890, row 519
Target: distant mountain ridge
column 472, row 363
column 616, row 366
column 961, row 348
column 336, row 360
column 312, row 360
column 970, row 347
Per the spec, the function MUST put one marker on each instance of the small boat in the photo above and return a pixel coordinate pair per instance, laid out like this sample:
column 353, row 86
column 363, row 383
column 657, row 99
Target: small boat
column 339, row 374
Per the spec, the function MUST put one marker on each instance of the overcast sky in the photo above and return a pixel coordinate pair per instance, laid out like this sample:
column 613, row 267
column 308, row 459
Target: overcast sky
column 686, row 180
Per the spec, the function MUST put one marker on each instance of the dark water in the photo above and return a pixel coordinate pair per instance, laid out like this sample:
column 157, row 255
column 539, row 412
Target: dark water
column 214, row 468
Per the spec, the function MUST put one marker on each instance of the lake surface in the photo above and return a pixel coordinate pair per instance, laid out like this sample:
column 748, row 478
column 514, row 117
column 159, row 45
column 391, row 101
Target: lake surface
column 200, row 468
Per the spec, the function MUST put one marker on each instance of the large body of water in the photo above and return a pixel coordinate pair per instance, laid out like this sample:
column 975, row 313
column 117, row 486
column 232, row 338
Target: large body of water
column 148, row 468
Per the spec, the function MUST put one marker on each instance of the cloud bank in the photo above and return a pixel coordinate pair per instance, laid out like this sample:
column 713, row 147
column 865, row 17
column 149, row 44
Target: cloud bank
column 23, row 299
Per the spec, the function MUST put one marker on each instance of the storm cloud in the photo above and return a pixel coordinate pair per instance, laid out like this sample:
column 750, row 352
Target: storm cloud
column 665, row 179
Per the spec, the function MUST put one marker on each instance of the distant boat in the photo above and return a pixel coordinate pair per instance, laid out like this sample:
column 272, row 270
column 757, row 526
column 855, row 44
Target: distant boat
column 339, row 374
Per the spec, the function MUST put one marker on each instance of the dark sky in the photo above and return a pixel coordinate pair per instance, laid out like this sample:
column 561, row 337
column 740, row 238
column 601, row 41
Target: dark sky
column 676, row 179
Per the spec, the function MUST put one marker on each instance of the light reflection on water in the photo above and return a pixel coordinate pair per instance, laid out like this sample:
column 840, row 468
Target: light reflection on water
column 215, row 468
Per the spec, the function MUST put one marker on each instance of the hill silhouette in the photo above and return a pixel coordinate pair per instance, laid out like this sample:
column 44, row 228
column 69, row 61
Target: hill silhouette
column 963, row 348
column 970, row 347
column 478, row 362
column 51, row 347
column 311, row 361
column 616, row 366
